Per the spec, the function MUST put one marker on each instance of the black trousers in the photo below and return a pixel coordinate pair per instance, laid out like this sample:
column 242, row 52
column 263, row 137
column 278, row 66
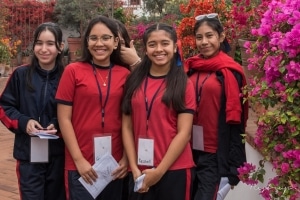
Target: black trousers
column 207, row 179
column 41, row 181
column 175, row 185
column 113, row 191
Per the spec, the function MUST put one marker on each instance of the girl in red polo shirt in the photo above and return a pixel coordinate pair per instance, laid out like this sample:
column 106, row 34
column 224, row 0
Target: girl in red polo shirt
column 220, row 117
column 158, row 109
column 89, row 110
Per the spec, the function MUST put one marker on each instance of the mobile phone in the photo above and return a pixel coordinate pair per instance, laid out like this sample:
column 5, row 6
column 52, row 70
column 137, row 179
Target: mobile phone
column 44, row 130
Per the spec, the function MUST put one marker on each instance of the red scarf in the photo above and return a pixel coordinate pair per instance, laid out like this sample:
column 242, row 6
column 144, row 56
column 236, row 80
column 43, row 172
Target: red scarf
column 223, row 63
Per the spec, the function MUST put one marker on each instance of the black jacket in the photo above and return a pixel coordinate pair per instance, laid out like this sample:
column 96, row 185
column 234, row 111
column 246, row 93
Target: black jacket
column 231, row 150
column 20, row 105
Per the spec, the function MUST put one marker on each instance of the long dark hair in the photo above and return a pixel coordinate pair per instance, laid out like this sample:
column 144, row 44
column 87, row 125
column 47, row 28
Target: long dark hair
column 57, row 32
column 175, row 79
column 124, row 34
column 86, row 56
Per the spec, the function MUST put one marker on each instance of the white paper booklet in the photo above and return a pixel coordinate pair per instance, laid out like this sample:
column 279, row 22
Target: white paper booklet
column 46, row 136
column 224, row 188
column 103, row 167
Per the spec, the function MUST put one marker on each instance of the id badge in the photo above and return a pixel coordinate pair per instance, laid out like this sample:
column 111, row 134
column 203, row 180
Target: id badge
column 102, row 145
column 198, row 142
column 39, row 150
column 146, row 152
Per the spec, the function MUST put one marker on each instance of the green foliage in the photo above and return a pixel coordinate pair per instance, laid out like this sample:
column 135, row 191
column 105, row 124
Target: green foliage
column 173, row 7
column 76, row 14
column 154, row 6
column 158, row 8
column 119, row 15
column 4, row 53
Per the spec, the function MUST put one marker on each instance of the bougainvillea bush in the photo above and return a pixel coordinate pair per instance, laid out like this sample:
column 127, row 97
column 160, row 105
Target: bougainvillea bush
column 23, row 16
column 246, row 15
column 276, row 53
column 137, row 28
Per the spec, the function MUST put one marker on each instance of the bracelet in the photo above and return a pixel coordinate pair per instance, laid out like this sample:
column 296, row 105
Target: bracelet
column 135, row 63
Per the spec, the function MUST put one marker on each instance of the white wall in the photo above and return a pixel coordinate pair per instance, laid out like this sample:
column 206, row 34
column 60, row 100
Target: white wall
column 247, row 192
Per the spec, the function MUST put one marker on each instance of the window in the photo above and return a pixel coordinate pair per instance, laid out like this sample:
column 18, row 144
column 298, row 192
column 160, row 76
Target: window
column 135, row 2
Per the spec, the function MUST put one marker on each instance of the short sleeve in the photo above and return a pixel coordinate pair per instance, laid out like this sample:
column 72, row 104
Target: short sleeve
column 66, row 88
column 190, row 98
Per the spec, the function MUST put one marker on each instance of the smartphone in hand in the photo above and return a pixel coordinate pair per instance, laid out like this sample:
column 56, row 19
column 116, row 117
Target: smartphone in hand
column 44, row 130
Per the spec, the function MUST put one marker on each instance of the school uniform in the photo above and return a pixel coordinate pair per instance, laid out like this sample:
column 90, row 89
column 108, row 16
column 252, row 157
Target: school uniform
column 96, row 112
column 222, row 116
column 19, row 105
column 162, row 128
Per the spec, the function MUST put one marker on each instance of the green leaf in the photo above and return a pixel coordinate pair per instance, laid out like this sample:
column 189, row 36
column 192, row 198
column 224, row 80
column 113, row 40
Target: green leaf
column 290, row 98
column 260, row 177
column 294, row 118
column 283, row 120
column 254, row 176
column 282, row 69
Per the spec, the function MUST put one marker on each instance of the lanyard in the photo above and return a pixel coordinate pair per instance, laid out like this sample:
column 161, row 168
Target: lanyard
column 100, row 92
column 45, row 100
column 149, row 107
column 199, row 90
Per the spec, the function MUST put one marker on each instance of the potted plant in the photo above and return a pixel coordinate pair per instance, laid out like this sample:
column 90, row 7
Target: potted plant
column 66, row 56
column 75, row 15
column 276, row 53
column 26, row 55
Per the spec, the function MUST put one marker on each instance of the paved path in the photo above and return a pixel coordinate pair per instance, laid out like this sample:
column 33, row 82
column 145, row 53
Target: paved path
column 8, row 180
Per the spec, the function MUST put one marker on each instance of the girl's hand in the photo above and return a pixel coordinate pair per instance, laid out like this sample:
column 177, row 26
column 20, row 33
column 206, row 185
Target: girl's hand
column 136, row 173
column 121, row 171
column 129, row 55
column 50, row 127
column 33, row 127
column 86, row 171
column 151, row 178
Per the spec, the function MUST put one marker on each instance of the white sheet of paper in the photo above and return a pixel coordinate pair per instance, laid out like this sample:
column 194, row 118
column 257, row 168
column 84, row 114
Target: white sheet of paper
column 39, row 150
column 102, row 145
column 198, row 142
column 44, row 135
column 145, row 152
column 103, row 167
column 138, row 182
column 224, row 188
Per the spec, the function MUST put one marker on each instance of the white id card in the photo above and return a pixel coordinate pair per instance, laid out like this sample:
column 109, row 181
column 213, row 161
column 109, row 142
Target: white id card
column 39, row 150
column 145, row 152
column 198, row 142
column 102, row 145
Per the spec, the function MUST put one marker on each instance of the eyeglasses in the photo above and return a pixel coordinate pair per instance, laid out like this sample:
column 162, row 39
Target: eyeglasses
column 103, row 38
column 210, row 15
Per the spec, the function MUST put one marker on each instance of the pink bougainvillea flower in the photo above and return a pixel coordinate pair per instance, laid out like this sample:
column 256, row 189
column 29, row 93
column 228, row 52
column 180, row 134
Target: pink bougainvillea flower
column 285, row 167
column 279, row 147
